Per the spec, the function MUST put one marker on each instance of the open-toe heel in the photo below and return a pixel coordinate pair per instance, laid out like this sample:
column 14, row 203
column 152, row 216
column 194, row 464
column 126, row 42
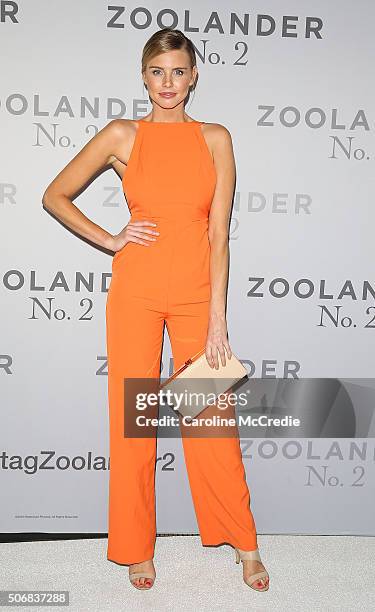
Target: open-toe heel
column 253, row 555
column 149, row 575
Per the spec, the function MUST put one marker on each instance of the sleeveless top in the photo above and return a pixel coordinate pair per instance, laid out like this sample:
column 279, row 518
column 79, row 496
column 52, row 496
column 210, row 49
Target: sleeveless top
column 170, row 172
column 170, row 179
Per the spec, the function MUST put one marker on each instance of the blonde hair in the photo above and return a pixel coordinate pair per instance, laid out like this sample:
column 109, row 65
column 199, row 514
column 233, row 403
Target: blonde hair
column 165, row 40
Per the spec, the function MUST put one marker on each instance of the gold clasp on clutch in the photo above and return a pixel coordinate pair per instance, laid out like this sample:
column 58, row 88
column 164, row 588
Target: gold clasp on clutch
column 182, row 368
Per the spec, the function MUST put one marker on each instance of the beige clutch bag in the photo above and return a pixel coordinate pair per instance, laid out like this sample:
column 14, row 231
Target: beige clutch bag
column 205, row 381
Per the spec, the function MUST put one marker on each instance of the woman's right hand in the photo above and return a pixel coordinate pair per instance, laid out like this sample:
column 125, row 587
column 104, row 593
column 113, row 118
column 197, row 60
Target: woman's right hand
column 135, row 231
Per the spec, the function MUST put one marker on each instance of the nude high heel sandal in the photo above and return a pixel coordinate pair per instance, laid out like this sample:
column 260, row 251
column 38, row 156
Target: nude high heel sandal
column 134, row 575
column 252, row 555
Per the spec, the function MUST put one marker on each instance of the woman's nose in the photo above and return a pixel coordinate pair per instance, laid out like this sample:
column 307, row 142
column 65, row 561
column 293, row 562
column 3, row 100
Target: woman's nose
column 167, row 80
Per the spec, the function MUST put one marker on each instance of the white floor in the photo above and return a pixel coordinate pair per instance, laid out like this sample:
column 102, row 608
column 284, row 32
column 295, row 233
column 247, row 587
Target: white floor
column 307, row 573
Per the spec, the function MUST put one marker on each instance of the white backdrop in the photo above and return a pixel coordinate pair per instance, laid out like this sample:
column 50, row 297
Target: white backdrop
column 298, row 100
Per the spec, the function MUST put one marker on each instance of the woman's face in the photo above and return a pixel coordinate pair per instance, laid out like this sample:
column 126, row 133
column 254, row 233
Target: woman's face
column 169, row 72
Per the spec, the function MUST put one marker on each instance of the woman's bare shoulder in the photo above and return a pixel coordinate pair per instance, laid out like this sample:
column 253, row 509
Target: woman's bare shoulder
column 217, row 130
column 218, row 138
column 121, row 127
column 123, row 130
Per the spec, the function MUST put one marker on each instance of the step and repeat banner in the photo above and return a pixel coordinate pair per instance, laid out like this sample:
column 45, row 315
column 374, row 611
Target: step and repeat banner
column 292, row 83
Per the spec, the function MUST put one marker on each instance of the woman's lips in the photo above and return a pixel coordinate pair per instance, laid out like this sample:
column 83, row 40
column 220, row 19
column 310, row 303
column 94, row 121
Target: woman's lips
column 167, row 95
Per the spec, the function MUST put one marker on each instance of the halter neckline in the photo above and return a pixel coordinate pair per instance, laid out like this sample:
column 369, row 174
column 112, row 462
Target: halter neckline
column 169, row 122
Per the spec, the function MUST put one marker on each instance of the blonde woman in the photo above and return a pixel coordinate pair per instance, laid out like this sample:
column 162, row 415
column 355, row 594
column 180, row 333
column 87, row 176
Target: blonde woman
column 170, row 267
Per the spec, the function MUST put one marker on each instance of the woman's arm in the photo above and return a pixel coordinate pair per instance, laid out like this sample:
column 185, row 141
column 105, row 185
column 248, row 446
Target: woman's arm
column 218, row 232
column 118, row 166
column 106, row 146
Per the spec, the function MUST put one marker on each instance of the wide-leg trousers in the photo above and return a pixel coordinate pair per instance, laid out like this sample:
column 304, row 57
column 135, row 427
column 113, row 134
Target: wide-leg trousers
column 215, row 470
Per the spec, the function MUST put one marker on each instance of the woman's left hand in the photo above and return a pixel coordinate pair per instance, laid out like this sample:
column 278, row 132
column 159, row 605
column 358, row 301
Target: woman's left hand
column 217, row 341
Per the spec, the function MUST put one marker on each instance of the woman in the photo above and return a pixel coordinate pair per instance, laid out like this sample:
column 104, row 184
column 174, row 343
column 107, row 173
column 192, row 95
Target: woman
column 170, row 266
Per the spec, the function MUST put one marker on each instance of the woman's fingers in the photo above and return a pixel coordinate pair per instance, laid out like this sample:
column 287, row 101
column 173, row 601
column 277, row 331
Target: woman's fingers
column 222, row 354
column 227, row 348
column 211, row 355
column 137, row 232
column 140, row 226
column 212, row 351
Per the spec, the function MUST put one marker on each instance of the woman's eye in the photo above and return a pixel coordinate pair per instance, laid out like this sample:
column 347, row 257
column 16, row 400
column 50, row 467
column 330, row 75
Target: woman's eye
column 180, row 72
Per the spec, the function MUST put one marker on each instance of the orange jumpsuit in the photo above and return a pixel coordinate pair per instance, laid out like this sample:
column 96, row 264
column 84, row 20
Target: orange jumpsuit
column 170, row 179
